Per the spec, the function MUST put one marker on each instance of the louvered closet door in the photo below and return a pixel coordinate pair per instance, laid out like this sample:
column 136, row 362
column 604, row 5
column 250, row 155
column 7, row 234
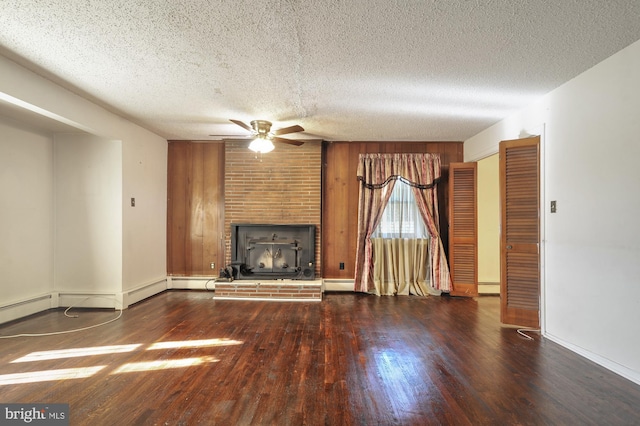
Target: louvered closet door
column 463, row 234
column 520, row 235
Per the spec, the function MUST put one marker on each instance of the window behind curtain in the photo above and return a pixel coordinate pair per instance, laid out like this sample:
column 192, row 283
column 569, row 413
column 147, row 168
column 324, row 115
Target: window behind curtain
column 401, row 218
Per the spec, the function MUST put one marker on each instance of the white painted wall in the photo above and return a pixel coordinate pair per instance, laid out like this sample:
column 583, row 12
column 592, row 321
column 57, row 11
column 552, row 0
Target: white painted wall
column 98, row 244
column 88, row 205
column 591, row 251
column 26, row 208
column 144, row 238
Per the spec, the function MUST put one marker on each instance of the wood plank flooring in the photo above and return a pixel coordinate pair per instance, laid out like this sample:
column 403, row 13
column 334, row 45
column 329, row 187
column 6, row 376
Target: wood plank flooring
column 181, row 358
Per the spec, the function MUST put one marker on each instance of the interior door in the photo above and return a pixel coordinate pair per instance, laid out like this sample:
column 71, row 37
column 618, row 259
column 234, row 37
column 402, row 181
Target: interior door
column 520, row 232
column 463, row 229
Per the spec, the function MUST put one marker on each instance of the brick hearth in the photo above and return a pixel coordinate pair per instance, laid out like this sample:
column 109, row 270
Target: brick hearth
column 276, row 290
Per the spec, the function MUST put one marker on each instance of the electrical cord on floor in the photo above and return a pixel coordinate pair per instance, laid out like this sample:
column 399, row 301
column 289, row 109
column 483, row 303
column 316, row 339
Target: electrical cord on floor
column 207, row 283
column 523, row 331
column 55, row 333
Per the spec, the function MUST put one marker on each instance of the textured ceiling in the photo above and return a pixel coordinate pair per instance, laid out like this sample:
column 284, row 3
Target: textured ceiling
column 343, row 69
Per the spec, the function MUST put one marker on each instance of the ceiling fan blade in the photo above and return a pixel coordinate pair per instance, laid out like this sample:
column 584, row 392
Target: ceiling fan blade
column 243, row 125
column 290, row 129
column 289, row 141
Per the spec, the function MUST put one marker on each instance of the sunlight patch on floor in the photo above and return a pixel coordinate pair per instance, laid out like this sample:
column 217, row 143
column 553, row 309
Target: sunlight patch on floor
column 164, row 364
column 49, row 375
column 193, row 344
column 78, row 373
column 77, row 352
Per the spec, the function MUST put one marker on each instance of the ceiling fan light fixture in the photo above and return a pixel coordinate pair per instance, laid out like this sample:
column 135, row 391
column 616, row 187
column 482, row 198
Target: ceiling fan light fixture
column 261, row 144
column 263, row 136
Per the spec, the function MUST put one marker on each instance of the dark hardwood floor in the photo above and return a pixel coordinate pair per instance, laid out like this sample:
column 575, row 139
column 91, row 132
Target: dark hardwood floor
column 180, row 358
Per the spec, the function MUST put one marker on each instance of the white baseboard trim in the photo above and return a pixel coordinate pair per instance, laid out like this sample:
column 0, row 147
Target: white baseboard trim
column 191, row 283
column 80, row 299
column 619, row 369
column 144, row 291
column 488, row 288
column 208, row 283
column 25, row 307
column 90, row 299
column 337, row 284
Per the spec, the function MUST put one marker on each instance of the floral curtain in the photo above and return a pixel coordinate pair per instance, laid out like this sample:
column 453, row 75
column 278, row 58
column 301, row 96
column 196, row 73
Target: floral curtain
column 377, row 174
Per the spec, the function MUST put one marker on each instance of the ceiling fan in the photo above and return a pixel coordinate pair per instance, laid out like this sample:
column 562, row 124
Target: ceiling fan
column 264, row 137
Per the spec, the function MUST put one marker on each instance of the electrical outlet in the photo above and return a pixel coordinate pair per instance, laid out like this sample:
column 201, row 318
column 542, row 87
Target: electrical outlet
column 213, row 265
column 341, row 265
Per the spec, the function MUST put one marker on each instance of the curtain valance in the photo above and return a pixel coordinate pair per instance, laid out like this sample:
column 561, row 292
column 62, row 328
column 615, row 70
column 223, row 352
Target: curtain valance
column 419, row 170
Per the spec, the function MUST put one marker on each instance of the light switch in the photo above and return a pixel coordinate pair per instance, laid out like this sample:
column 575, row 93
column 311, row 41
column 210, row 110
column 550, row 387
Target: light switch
column 133, row 202
column 553, row 207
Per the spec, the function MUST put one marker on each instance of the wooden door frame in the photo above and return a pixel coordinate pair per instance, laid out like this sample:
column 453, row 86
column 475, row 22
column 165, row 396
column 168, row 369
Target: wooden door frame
column 543, row 213
column 540, row 131
column 534, row 131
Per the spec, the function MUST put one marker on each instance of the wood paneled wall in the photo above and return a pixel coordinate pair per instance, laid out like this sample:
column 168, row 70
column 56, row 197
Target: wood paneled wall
column 340, row 196
column 195, row 208
column 199, row 213
column 214, row 184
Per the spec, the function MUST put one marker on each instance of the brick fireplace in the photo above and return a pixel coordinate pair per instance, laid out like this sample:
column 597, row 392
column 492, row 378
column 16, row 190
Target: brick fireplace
column 282, row 187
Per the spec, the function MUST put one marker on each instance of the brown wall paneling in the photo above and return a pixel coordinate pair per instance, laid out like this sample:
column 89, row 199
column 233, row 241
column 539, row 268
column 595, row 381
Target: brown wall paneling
column 335, row 220
column 195, row 208
column 340, row 196
column 196, row 236
column 213, row 246
column 177, row 207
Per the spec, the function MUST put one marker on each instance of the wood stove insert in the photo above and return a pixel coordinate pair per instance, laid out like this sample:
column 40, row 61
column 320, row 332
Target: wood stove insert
column 263, row 251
